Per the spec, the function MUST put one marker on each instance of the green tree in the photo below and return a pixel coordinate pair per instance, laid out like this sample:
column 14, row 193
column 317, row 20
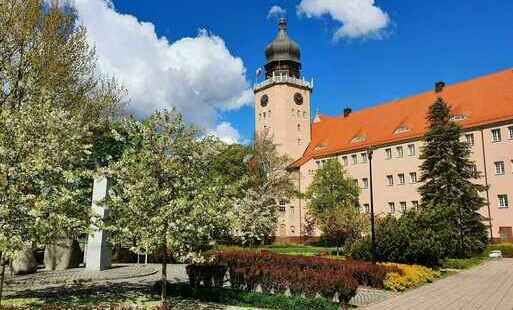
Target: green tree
column 450, row 197
column 333, row 205
column 164, row 200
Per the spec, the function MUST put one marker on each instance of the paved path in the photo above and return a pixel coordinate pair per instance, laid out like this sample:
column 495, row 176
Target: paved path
column 487, row 287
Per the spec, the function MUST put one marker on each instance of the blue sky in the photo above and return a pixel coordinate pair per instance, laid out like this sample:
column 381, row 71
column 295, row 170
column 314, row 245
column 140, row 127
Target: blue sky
column 423, row 42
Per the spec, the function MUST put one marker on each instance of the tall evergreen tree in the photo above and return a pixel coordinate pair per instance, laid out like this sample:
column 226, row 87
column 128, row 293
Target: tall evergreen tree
column 450, row 197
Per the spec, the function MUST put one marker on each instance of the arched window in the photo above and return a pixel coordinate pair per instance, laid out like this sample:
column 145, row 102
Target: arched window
column 298, row 127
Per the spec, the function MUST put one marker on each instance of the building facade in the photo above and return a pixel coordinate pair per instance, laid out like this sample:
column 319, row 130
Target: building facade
column 390, row 134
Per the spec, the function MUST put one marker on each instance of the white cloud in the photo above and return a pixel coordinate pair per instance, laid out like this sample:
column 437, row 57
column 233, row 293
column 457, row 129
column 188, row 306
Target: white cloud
column 196, row 75
column 276, row 11
column 359, row 18
column 226, row 133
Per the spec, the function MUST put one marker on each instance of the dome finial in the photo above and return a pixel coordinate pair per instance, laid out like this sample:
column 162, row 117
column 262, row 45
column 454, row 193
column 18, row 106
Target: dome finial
column 283, row 23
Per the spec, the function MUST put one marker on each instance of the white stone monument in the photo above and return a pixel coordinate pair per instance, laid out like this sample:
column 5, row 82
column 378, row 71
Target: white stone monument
column 98, row 251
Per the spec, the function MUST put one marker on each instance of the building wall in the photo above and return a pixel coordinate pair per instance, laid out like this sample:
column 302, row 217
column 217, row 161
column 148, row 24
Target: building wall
column 286, row 122
column 502, row 151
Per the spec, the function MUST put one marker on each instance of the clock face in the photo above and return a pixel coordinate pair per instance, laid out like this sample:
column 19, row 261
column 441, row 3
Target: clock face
column 298, row 98
column 264, row 100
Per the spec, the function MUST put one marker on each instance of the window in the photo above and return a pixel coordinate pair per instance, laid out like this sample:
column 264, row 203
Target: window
column 354, row 158
column 391, row 207
column 345, row 162
column 403, row 206
column 292, row 229
column 365, row 182
column 506, row 233
column 298, row 127
column 470, row 139
column 304, row 114
column 263, row 114
column 364, row 157
column 366, row 208
column 401, row 178
column 503, row 201
column 269, row 113
column 291, row 208
column 413, row 177
column 298, row 141
column 355, row 181
column 411, row 149
column 390, row 180
column 293, row 112
column 499, row 167
column 259, row 115
column 318, row 162
column 496, row 135
column 400, row 151
column 510, row 130
column 281, row 208
column 415, row 204
column 298, row 113
column 388, row 153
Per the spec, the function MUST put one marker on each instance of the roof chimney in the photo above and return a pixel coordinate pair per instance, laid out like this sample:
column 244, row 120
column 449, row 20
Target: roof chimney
column 347, row 112
column 439, row 87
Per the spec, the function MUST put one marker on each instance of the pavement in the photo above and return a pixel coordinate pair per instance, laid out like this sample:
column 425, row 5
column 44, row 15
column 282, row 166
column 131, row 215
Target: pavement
column 487, row 287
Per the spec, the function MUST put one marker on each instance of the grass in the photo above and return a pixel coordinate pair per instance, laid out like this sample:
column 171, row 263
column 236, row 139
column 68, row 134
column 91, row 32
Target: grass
column 286, row 249
column 465, row 263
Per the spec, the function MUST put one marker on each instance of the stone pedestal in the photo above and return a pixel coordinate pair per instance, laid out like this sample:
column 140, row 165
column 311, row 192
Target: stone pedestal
column 98, row 254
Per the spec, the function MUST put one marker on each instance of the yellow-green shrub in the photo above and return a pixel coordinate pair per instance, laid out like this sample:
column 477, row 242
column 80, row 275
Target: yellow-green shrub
column 410, row 276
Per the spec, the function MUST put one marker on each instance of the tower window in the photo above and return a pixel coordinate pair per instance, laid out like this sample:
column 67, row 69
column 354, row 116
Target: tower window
column 298, row 141
column 298, row 127
column 269, row 113
column 263, row 114
column 293, row 112
column 298, row 113
column 304, row 116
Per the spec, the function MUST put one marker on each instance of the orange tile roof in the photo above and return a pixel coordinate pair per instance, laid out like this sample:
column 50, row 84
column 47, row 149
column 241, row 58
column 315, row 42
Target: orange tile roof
column 484, row 100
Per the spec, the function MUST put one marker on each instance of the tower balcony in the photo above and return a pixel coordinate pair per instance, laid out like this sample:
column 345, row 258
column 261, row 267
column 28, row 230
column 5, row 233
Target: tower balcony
column 284, row 79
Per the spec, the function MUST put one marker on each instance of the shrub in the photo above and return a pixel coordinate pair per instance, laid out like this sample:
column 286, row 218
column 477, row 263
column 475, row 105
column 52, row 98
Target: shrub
column 505, row 248
column 208, row 275
column 462, row 263
column 407, row 239
column 248, row 299
column 411, row 276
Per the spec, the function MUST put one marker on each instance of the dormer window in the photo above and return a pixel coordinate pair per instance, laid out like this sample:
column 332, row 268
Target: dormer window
column 458, row 118
column 401, row 129
column 320, row 146
column 359, row 139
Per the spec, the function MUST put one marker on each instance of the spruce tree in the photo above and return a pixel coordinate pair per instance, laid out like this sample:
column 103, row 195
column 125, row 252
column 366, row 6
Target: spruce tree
column 450, row 197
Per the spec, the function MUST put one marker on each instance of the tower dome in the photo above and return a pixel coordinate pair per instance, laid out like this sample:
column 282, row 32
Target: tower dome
column 283, row 48
column 283, row 54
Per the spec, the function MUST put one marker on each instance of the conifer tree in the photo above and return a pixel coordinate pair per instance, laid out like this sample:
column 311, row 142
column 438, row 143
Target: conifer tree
column 450, row 197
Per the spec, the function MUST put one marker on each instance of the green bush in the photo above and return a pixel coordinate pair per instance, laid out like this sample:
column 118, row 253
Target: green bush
column 248, row 299
column 505, row 248
column 407, row 240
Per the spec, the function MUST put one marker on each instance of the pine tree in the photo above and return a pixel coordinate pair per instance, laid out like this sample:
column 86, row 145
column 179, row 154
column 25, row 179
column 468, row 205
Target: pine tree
column 450, row 197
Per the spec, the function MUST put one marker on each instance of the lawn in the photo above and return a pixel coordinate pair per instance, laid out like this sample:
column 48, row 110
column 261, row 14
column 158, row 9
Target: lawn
column 286, row 249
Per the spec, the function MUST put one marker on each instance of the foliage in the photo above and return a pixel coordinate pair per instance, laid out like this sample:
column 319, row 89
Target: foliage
column 451, row 199
column 256, row 262
column 407, row 239
column 462, row 263
column 268, row 181
column 505, row 248
column 249, row 299
column 333, row 204
column 161, row 183
column 410, row 276
column 53, row 104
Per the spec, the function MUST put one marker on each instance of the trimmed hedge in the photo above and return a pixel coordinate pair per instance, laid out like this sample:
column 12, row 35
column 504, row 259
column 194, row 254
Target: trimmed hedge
column 411, row 276
column 248, row 299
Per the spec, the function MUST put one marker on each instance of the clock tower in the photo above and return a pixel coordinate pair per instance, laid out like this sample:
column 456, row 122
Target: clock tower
column 282, row 106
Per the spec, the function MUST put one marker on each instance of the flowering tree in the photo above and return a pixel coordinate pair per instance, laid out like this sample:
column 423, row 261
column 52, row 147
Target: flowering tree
column 163, row 197
column 52, row 106
column 267, row 181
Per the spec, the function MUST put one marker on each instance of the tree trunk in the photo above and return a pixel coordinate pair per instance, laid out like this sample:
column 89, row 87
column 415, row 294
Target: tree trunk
column 163, row 293
column 2, row 278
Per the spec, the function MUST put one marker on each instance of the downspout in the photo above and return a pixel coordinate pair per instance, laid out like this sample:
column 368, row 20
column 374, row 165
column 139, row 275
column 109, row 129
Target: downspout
column 486, row 184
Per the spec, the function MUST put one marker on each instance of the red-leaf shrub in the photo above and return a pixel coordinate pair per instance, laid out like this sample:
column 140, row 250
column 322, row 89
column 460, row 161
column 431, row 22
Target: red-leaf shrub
column 301, row 275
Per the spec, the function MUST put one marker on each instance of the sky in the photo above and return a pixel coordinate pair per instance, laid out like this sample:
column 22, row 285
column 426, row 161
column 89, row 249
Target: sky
column 200, row 57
